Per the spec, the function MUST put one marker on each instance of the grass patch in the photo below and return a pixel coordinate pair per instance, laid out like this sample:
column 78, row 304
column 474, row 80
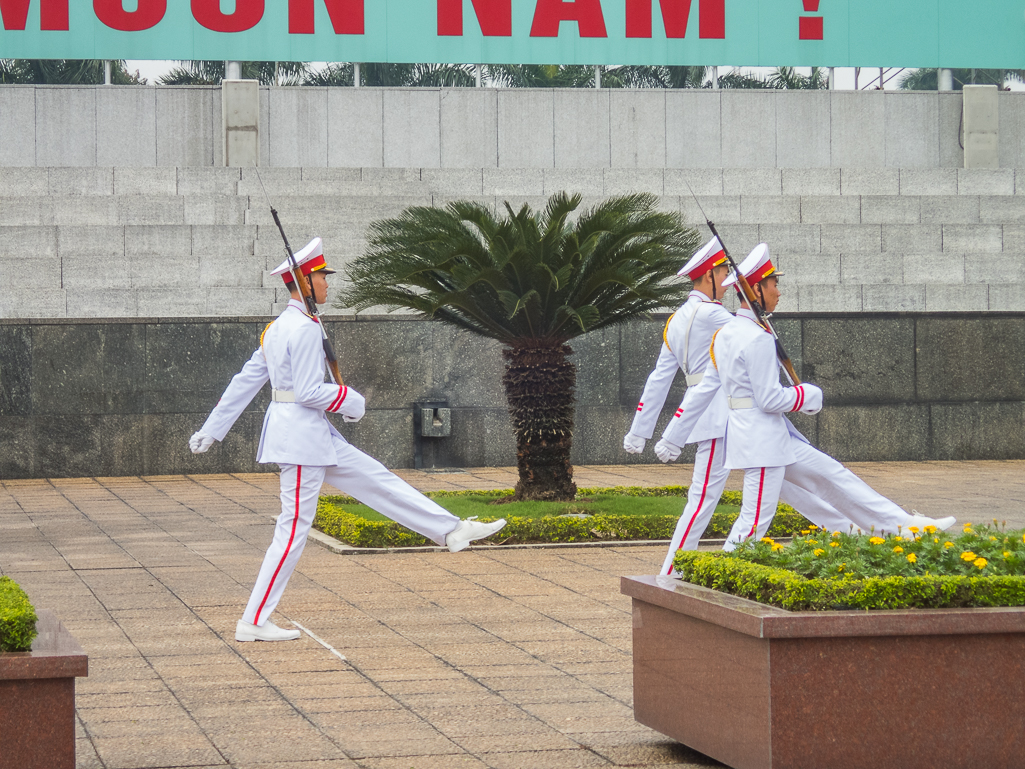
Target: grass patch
column 618, row 513
column 981, row 566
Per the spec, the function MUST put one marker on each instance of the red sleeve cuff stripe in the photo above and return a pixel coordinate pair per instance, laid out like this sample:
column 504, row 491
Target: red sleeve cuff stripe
column 343, row 391
column 800, row 398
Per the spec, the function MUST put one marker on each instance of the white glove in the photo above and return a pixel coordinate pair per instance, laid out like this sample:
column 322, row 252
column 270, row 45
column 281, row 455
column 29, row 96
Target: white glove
column 667, row 451
column 200, row 443
column 633, row 444
column 812, row 399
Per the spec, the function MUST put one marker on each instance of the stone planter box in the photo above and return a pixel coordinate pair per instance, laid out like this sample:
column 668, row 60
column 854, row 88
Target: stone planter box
column 755, row 686
column 37, row 699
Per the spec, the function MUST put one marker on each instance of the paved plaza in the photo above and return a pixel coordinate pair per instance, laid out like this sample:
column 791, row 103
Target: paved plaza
column 515, row 658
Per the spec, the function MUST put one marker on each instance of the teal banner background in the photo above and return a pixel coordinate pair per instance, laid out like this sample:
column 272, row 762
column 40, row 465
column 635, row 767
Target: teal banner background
column 870, row 33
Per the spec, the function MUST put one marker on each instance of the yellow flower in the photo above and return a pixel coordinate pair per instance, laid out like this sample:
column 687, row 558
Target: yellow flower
column 806, row 531
column 834, row 544
column 1007, row 554
column 899, row 538
column 980, row 562
column 913, row 529
column 992, row 539
column 819, row 551
column 930, row 529
column 968, row 555
column 912, row 557
column 813, row 527
column 766, row 540
column 898, row 549
column 876, row 541
column 935, row 539
column 948, row 545
column 836, row 534
column 967, row 527
column 841, row 567
column 777, row 547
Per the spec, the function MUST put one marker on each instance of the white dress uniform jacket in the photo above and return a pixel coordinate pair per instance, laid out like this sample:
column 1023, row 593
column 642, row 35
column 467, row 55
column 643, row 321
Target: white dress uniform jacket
column 291, row 356
column 744, row 367
column 685, row 348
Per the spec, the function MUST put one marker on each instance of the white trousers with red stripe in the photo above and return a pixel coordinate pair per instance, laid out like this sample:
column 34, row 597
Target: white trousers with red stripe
column 762, row 486
column 705, row 489
column 359, row 476
column 821, row 477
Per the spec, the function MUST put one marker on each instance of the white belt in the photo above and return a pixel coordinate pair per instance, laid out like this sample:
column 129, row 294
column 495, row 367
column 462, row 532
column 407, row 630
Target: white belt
column 282, row 396
column 694, row 379
column 740, row 403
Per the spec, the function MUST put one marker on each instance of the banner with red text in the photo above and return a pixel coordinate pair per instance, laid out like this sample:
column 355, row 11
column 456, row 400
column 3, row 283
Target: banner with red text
column 892, row 33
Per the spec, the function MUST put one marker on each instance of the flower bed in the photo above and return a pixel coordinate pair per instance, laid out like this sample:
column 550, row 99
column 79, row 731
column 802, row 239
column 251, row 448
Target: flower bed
column 333, row 519
column 821, row 570
column 17, row 618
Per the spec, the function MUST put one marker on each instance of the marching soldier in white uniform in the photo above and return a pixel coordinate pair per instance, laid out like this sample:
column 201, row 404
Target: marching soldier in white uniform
column 298, row 437
column 687, row 334
column 759, row 439
column 687, row 338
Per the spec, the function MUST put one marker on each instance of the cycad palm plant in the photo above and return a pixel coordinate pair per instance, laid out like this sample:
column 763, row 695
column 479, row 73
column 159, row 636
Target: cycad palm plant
column 533, row 281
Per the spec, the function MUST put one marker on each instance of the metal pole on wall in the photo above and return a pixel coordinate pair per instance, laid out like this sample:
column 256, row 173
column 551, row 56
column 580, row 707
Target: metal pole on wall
column 232, row 70
column 715, row 78
column 945, row 80
column 107, row 74
column 832, row 78
column 478, row 76
column 597, row 76
column 356, row 75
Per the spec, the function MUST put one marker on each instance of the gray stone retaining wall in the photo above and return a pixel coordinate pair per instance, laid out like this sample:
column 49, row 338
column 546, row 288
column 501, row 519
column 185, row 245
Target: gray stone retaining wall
column 111, row 397
column 196, row 242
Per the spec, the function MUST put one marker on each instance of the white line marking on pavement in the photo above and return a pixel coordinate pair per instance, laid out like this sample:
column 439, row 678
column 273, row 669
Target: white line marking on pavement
column 321, row 641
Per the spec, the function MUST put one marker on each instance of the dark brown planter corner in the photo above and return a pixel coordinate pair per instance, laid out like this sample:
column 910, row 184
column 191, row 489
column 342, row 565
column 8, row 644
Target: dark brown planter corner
column 755, row 686
column 37, row 699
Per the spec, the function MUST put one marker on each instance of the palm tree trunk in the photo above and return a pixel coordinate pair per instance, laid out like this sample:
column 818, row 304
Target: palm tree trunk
column 539, row 381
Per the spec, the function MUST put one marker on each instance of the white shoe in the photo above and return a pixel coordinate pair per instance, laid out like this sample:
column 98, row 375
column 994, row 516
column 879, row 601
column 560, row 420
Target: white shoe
column 469, row 530
column 268, row 631
column 941, row 524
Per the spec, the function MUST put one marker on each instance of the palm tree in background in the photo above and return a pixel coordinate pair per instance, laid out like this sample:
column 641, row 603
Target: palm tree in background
column 928, row 79
column 212, row 73
column 532, row 281
column 64, row 72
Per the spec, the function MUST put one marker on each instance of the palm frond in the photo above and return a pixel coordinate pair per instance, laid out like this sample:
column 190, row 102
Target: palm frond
column 528, row 274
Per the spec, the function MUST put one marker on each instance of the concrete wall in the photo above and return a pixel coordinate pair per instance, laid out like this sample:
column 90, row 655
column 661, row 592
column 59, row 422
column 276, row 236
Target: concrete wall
column 500, row 128
column 109, row 397
column 157, row 242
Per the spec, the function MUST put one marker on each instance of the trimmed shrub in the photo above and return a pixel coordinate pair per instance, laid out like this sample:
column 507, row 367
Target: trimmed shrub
column 17, row 618
column 788, row 590
column 332, row 519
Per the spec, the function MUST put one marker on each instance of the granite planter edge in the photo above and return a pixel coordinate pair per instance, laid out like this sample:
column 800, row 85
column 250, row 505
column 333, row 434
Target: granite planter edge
column 37, row 699
column 757, row 687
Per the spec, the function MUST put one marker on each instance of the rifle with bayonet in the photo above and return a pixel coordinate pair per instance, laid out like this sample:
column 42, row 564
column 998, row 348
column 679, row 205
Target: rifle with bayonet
column 747, row 293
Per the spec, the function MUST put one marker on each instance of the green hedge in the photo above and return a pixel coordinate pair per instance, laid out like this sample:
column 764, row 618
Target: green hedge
column 788, row 590
column 332, row 519
column 17, row 618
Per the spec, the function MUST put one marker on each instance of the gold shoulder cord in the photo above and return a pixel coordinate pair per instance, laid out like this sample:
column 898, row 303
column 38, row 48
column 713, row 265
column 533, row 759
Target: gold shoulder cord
column 665, row 331
column 264, row 333
column 711, row 349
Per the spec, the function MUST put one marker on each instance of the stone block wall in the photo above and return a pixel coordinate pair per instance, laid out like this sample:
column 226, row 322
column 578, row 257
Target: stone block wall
column 122, row 397
column 104, row 242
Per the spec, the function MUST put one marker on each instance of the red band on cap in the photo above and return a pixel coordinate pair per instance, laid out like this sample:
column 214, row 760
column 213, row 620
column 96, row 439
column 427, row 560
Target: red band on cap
column 314, row 264
column 713, row 260
column 761, row 273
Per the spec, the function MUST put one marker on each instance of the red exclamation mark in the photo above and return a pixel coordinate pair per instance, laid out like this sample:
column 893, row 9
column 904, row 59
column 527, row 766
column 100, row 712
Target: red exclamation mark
column 811, row 26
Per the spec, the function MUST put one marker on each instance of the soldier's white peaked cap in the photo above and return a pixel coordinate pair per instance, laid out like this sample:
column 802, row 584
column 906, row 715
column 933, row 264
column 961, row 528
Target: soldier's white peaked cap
column 309, row 260
column 708, row 256
column 757, row 266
